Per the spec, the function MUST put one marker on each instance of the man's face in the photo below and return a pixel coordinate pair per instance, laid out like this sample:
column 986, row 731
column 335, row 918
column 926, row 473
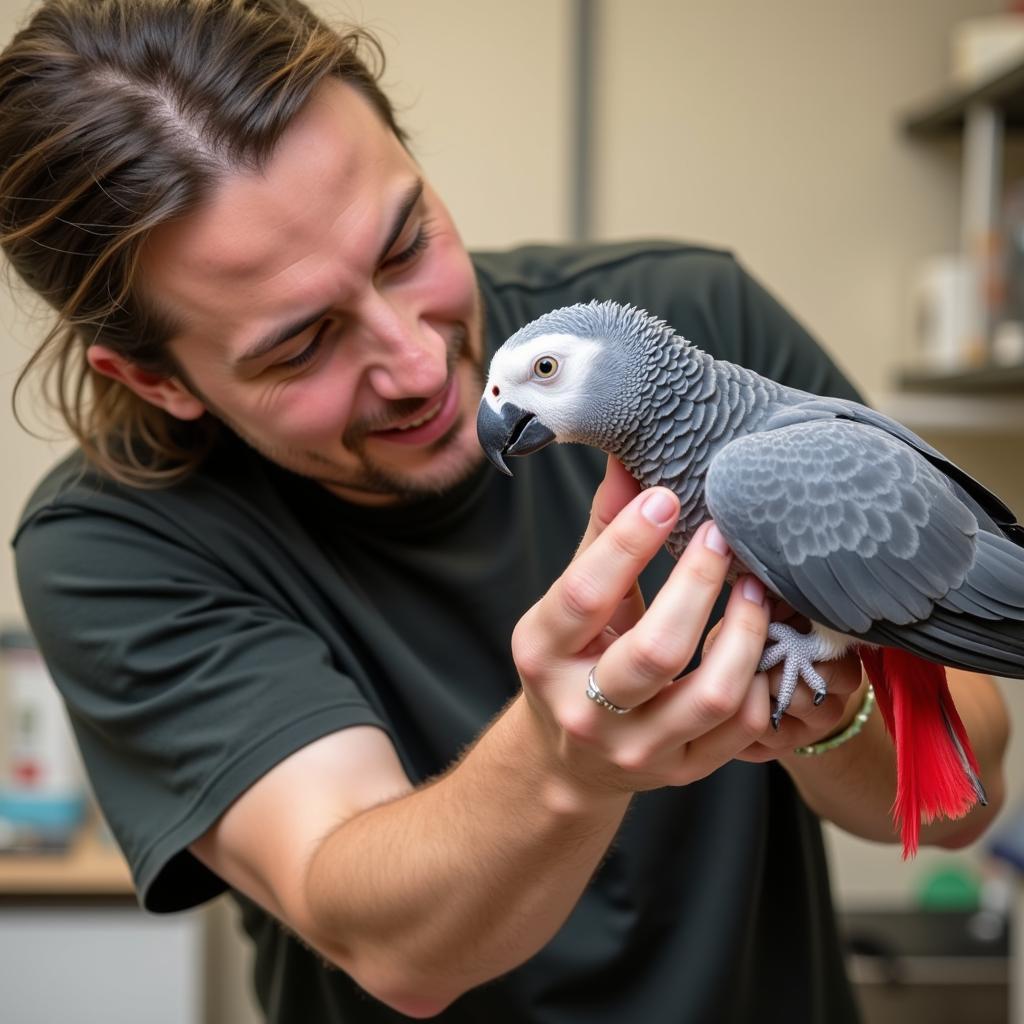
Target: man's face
column 330, row 311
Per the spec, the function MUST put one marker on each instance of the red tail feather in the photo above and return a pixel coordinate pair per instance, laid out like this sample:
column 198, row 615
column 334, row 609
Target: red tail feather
column 931, row 779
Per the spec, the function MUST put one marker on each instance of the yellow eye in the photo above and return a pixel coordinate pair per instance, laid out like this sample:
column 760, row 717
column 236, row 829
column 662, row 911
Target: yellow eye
column 545, row 368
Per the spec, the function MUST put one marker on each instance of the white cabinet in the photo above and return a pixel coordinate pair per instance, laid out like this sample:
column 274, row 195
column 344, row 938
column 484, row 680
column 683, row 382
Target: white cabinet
column 99, row 965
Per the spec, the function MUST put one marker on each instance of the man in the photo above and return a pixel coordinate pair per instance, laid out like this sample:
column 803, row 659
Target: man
column 314, row 650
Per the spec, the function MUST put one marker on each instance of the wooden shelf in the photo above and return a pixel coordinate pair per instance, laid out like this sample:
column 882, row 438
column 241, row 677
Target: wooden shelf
column 963, row 413
column 981, row 380
column 946, row 114
column 91, row 868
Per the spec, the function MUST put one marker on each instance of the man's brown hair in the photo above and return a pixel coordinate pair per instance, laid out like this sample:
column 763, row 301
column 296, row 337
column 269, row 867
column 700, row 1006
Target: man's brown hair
column 115, row 117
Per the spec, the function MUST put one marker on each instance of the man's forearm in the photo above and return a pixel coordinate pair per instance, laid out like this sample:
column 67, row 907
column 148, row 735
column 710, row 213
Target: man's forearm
column 440, row 890
column 854, row 785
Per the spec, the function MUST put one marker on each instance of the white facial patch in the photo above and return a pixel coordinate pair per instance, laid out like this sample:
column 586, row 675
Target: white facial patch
column 515, row 377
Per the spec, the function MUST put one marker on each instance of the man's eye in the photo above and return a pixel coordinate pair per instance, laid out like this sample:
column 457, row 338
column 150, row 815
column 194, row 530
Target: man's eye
column 419, row 243
column 306, row 355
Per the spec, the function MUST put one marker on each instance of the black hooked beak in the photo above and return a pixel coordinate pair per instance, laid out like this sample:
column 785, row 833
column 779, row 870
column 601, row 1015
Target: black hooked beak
column 510, row 432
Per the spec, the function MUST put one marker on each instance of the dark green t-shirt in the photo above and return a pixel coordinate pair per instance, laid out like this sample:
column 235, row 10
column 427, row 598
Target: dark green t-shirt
column 202, row 633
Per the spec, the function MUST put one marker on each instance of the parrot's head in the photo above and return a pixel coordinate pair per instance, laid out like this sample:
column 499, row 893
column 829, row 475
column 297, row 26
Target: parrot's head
column 575, row 374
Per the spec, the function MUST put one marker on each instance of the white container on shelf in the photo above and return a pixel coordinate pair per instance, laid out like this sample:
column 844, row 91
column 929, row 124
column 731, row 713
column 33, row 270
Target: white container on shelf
column 941, row 311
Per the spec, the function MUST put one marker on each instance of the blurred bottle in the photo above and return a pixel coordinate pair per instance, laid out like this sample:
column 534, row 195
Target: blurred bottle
column 1008, row 338
column 42, row 788
column 941, row 311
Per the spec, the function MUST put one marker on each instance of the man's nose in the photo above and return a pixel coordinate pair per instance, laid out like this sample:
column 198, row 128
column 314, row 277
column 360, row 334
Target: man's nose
column 408, row 358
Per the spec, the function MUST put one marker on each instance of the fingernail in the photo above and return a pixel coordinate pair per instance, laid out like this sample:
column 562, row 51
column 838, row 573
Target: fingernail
column 752, row 589
column 658, row 508
column 713, row 539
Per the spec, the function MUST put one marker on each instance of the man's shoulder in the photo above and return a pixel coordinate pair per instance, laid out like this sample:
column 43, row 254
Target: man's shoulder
column 549, row 268
column 61, row 482
column 688, row 286
column 74, row 491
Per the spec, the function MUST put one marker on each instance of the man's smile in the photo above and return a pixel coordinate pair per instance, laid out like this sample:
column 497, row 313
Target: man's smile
column 429, row 423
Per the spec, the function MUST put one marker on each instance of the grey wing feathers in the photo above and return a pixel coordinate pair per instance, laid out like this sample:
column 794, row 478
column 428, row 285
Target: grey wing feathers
column 860, row 532
column 992, row 513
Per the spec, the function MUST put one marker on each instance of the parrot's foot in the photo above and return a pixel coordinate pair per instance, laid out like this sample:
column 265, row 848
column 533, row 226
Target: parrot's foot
column 798, row 652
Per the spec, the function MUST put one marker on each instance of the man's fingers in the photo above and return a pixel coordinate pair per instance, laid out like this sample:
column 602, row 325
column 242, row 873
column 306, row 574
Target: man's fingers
column 583, row 600
column 709, row 640
column 614, row 493
column 661, row 644
column 617, row 490
column 629, row 611
column 717, row 690
column 737, row 734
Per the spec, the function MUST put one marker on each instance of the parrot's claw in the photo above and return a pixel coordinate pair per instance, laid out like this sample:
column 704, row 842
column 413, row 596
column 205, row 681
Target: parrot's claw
column 797, row 651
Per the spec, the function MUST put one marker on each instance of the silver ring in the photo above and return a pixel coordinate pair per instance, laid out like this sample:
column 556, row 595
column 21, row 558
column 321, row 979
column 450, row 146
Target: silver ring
column 595, row 694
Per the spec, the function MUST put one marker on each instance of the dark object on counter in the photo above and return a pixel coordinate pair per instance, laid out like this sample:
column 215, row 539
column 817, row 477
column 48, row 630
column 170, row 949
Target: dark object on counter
column 943, row 967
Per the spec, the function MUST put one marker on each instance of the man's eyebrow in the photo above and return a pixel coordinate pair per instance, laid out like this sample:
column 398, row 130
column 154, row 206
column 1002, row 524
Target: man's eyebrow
column 279, row 335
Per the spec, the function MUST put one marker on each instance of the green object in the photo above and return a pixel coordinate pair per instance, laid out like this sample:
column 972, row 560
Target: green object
column 950, row 888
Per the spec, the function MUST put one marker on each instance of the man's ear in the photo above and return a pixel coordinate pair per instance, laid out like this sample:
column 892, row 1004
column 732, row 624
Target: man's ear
column 167, row 393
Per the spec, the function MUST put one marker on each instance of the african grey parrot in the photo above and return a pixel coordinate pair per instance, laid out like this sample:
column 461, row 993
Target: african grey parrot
column 857, row 523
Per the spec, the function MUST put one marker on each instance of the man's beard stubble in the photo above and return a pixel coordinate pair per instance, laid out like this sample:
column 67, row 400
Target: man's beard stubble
column 375, row 479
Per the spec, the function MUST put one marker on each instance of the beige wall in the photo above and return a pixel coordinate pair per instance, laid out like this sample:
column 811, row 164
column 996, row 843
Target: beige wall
column 23, row 458
column 766, row 128
column 771, row 129
column 483, row 88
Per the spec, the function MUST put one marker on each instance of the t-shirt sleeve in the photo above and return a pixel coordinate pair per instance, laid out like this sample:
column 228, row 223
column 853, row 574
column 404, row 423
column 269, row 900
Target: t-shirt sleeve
column 183, row 687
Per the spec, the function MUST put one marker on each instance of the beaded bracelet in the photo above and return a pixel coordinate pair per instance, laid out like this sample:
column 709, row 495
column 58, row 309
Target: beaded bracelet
column 823, row 747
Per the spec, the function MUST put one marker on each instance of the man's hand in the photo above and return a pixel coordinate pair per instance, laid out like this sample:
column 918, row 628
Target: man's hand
column 677, row 730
